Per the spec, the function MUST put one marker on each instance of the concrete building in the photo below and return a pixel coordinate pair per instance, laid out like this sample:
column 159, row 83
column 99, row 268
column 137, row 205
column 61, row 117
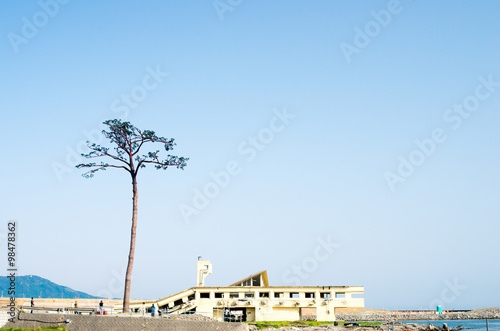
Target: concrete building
column 253, row 299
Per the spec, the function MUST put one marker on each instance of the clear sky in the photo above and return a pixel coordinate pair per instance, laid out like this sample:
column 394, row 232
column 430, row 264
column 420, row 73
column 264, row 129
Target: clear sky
column 330, row 143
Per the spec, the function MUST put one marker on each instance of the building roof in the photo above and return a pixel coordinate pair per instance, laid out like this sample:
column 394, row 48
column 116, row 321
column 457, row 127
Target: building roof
column 261, row 274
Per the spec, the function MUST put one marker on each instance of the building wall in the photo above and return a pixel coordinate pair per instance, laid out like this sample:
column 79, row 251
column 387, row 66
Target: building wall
column 281, row 314
column 276, row 303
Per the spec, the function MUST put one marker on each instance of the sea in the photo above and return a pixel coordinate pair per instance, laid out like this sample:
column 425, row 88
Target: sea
column 476, row 325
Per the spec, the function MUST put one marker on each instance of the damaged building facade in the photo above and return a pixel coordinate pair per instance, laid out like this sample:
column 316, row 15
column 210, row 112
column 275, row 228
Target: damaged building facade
column 253, row 299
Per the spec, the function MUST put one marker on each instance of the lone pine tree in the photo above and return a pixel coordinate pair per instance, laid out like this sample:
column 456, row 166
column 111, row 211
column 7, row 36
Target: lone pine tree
column 128, row 141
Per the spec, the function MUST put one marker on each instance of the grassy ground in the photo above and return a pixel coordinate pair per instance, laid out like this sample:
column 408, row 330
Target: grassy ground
column 52, row 328
column 280, row 324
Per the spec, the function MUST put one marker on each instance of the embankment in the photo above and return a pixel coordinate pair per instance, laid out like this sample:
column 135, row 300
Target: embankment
column 486, row 313
column 115, row 323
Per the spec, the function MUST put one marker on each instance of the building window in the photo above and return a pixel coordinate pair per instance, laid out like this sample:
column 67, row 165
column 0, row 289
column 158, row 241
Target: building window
column 204, row 295
column 279, row 294
column 340, row 295
column 234, row 295
column 218, row 295
column 324, row 295
column 256, row 281
column 264, row 295
column 309, row 295
column 294, row 295
column 249, row 295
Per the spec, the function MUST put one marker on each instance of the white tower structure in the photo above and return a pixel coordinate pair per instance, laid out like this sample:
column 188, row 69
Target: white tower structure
column 204, row 268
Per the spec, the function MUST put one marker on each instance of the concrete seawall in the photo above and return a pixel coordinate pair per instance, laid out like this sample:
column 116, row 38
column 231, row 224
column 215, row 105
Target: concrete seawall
column 115, row 323
column 490, row 313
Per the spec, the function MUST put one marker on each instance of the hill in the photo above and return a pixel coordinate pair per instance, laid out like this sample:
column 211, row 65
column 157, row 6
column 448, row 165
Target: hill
column 38, row 287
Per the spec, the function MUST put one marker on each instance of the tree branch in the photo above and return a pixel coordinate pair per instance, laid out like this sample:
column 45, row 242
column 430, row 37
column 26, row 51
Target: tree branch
column 102, row 166
column 129, row 140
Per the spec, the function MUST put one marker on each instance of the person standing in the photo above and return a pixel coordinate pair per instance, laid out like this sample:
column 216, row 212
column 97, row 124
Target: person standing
column 32, row 303
column 153, row 310
column 101, row 307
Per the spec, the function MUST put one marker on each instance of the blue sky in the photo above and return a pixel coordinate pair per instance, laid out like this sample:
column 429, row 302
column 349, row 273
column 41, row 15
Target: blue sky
column 409, row 212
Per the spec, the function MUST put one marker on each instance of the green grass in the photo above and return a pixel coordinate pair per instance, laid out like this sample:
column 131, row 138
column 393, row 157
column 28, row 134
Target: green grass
column 50, row 328
column 280, row 324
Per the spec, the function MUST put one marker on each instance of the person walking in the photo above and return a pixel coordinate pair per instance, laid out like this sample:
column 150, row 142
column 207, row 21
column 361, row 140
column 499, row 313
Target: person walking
column 32, row 303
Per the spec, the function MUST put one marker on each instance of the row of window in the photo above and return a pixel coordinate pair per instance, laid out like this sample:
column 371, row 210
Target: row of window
column 255, row 281
column 251, row 295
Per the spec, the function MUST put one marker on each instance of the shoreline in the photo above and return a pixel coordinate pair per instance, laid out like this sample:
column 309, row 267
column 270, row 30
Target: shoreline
column 480, row 314
column 441, row 325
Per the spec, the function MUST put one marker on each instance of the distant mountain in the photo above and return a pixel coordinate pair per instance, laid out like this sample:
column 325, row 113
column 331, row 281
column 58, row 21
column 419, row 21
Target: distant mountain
column 35, row 286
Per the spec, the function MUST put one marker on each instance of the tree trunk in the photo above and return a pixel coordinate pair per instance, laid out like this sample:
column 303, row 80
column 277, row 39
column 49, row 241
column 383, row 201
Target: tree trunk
column 128, row 276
